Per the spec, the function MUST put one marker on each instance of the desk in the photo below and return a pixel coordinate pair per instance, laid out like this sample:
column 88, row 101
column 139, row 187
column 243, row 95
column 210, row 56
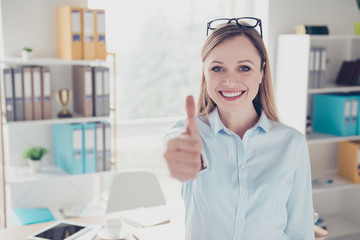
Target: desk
column 174, row 210
column 175, row 230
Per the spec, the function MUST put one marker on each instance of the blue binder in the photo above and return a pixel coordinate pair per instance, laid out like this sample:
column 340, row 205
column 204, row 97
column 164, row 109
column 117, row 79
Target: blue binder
column 18, row 94
column 9, row 94
column 107, row 146
column 100, row 151
column 98, row 85
column 89, row 137
column 335, row 114
column 68, row 147
column 106, row 91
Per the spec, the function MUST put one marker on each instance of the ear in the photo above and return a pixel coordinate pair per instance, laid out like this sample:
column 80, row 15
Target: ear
column 262, row 73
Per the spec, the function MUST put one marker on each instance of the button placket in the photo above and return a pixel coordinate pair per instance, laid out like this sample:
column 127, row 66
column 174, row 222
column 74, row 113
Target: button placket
column 241, row 156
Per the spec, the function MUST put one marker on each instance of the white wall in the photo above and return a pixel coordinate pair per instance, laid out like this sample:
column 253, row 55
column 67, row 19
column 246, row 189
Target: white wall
column 338, row 15
column 31, row 25
column 1, row 35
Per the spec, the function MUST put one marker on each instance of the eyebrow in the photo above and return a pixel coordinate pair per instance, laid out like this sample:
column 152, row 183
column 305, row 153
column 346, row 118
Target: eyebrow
column 241, row 61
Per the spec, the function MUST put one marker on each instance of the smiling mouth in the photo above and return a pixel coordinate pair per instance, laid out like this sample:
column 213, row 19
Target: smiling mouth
column 231, row 94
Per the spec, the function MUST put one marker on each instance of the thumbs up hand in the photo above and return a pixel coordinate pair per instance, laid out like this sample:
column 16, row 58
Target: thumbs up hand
column 183, row 153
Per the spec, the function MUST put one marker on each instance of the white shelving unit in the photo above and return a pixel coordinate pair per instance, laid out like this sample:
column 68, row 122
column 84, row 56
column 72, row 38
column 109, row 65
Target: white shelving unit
column 19, row 135
column 51, row 187
column 53, row 61
column 335, row 202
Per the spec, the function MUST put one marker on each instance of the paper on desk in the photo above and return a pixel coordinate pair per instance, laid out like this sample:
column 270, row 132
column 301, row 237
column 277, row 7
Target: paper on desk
column 161, row 232
column 144, row 217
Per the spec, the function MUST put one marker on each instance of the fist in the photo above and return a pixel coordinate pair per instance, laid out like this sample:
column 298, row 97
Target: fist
column 183, row 152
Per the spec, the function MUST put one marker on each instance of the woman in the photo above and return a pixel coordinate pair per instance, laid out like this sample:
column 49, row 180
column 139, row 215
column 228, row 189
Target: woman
column 245, row 175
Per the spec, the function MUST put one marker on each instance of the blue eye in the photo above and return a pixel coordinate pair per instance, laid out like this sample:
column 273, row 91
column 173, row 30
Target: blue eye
column 217, row 69
column 244, row 68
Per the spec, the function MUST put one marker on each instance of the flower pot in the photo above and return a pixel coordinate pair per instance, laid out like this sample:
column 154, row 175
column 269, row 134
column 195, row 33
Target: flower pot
column 26, row 55
column 34, row 166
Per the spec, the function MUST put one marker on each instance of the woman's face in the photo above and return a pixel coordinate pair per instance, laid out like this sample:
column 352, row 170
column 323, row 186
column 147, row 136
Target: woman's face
column 232, row 74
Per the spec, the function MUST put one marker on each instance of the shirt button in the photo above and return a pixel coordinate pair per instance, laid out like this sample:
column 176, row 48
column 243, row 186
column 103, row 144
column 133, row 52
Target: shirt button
column 243, row 192
column 242, row 165
column 239, row 222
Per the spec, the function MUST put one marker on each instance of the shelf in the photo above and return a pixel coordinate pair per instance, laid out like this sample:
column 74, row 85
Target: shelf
column 318, row 138
column 340, row 226
column 333, row 88
column 339, row 183
column 334, row 37
column 326, row 37
column 16, row 175
column 52, row 61
column 75, row 119
column 23, row 174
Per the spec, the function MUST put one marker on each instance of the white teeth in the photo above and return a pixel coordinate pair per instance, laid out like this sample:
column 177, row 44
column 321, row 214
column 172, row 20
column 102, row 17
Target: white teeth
column 234, row 94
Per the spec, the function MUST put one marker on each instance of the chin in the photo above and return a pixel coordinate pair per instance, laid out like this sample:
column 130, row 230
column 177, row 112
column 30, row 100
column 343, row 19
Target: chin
column 231, row 109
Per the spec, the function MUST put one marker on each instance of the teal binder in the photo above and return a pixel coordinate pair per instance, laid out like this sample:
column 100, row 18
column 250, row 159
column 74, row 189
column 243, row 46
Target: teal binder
column 335, row 114
column 68, row 147
column 89, row 147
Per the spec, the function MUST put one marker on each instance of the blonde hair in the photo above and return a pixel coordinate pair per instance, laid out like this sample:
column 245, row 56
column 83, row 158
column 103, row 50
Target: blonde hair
column 264, row 99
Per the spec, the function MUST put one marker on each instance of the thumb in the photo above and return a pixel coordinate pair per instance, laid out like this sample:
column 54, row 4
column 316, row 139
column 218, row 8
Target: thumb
column 191, row 126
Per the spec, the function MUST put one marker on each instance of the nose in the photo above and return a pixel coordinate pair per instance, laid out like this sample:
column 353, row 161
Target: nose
column 231, row 78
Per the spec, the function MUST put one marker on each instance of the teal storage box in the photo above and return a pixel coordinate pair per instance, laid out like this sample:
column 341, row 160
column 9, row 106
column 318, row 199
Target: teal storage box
column 28, row 216
column 68, row 147
column 336, row 114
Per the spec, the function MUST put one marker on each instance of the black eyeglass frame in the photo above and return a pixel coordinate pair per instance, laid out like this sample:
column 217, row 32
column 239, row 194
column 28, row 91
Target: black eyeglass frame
column 258, row 23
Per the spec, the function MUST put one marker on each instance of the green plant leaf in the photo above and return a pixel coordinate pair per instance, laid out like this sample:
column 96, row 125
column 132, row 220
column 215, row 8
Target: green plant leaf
column 35, row 153
column 27, row 49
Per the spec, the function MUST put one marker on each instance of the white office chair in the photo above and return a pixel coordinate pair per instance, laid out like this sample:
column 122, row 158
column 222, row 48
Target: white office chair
column 133, row 189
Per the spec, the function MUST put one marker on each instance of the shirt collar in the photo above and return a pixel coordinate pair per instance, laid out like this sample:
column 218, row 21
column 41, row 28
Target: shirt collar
column 263, row 123
column 215, row 121
column 217, row 125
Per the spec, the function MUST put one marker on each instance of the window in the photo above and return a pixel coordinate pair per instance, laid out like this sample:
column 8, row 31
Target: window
column 158, row 44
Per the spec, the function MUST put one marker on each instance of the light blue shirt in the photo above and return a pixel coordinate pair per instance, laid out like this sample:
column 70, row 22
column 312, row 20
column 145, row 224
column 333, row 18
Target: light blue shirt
column 258, row 187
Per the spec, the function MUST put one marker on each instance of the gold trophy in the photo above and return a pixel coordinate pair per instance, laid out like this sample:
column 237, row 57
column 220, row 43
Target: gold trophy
column 63, row 96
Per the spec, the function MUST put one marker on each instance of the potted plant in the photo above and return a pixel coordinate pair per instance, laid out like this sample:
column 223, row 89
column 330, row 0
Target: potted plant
column 35, row 154
column 26, row 53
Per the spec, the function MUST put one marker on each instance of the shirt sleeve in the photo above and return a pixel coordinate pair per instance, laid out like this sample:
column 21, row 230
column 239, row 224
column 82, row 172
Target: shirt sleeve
column 300, row 223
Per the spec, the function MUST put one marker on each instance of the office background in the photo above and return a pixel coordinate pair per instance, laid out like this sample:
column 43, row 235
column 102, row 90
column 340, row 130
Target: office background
column 144, row 65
